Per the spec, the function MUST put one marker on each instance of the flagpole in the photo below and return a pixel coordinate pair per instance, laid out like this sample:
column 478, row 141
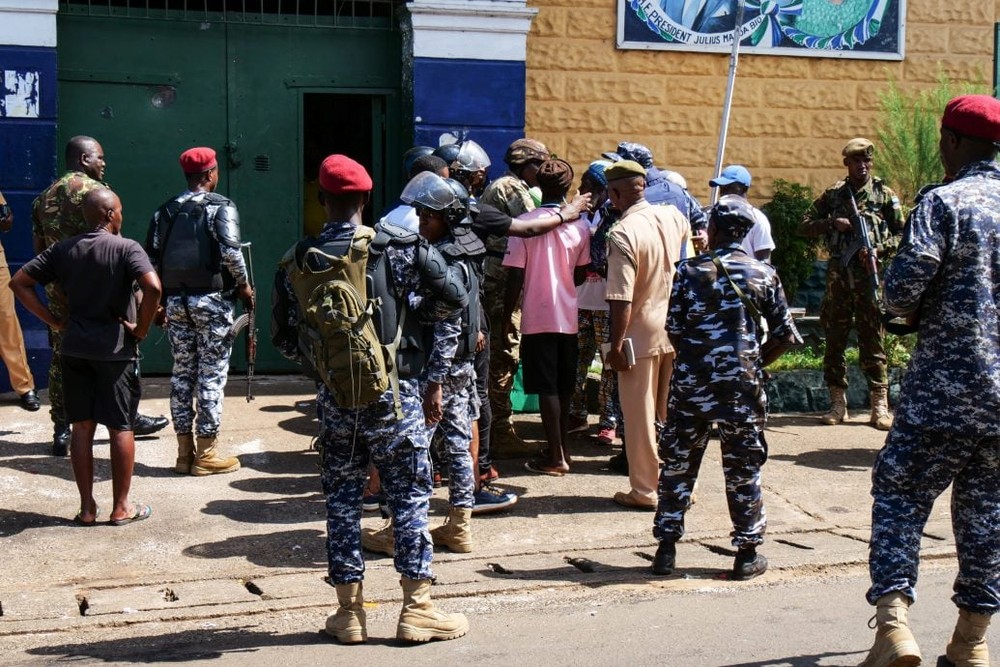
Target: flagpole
column 734, row 58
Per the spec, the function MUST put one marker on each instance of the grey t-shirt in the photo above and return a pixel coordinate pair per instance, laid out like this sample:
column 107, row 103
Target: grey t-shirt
column 96, row 271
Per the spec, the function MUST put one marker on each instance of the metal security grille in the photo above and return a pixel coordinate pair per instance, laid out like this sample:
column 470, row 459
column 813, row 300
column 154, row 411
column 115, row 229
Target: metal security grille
column 376, row 14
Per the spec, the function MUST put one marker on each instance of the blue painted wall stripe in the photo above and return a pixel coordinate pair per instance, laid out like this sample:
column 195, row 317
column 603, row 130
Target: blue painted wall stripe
column 27, row 165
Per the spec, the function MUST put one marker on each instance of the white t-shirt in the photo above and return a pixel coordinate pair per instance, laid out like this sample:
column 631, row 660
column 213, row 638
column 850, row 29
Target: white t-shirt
column 590, row 295
column 759, row 236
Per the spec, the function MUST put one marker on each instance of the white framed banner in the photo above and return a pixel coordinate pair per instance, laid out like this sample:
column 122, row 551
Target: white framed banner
column 865, row 29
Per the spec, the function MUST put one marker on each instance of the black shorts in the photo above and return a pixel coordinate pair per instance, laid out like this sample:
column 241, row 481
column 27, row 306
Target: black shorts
column 548, row 363
column 106, row 392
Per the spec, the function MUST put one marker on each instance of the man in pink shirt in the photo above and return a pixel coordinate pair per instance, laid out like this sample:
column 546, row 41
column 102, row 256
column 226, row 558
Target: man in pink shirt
column 548, row 268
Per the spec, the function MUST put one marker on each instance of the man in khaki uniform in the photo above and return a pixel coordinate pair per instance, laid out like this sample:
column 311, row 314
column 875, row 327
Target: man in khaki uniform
column 642, row 250
column 11, row 340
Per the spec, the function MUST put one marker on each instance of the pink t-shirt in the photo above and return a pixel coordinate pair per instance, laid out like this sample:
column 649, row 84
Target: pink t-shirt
column 548, row 261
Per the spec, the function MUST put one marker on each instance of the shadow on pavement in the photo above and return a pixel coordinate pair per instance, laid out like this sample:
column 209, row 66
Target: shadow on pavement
column 612, row 575
column 13, row 522
column 181, row 646
column 284, row 486
column 804, row 660
column 271, row 510
column 291, row 548
column 858, row 458
column 302, row 462
column 60, row 467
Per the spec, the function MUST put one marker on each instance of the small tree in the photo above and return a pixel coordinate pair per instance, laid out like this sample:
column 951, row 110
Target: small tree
column 907, row 128
column 794, row 254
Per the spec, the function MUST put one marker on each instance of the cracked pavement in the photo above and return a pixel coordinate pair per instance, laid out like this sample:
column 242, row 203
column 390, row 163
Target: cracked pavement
column 241, row 545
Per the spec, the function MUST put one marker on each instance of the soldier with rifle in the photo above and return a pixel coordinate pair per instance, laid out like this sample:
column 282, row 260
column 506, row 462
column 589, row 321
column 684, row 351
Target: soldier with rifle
column 860, row 221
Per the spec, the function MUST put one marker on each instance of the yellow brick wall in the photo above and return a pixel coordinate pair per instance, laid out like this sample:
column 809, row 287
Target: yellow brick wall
column 790, row 116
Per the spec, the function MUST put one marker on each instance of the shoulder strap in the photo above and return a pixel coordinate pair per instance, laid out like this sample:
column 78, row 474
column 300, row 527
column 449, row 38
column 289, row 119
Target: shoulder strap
column 752, row 309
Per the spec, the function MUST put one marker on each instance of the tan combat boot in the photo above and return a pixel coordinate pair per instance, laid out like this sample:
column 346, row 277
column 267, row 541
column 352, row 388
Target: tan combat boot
column 420, row 620
column 185, row 453
column 207, row 461
column 838, row 407
column 894, row 643
column 880, row 419
column 379, row 540
column 455, row 533
column 967, row 647
column 348, row 624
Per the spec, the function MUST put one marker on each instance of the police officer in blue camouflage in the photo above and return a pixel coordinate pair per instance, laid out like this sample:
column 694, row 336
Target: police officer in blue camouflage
column 194, row 242
column 717, row 305
column 945, row 279
column 443, row 207
column 390, row 431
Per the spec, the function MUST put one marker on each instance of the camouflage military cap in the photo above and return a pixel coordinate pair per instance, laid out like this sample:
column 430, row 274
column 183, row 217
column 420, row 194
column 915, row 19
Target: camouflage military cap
column 636, row 152
column 733, row 214
column 859, row 146
column 523, row 151
column 624, row 169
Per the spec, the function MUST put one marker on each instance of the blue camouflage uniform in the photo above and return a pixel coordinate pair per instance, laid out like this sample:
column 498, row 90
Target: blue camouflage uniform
column 947, row 271
column 661, row 190
column 351, row 438
column 718, row 377
column 453, row 368
column 197, row 327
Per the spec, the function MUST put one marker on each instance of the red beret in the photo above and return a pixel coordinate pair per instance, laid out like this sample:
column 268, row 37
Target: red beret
column 198, row 160
column 339, row 174
column 975, row 116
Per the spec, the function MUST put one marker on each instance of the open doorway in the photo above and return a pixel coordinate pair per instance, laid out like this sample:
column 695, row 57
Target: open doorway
column 334, row 123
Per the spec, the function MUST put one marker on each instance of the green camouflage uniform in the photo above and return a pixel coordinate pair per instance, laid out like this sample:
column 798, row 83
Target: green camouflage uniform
column 510, row 195
column 848, row 300
column 57, row 214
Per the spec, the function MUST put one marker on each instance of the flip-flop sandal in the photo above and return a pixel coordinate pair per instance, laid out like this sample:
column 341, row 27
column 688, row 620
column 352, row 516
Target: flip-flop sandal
column 78, row 519
column 140, row 512
column 542, row 469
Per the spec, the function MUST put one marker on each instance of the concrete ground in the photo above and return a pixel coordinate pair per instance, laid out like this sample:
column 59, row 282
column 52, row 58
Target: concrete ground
column 247, row 550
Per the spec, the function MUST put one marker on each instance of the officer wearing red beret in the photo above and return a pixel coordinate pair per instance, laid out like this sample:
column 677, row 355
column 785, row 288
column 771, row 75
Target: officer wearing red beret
column 944, row 279
column 194, row 242
column 387, row 427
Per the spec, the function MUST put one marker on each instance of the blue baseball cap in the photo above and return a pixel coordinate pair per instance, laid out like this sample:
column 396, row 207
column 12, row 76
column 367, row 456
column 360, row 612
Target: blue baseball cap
column 734, row 173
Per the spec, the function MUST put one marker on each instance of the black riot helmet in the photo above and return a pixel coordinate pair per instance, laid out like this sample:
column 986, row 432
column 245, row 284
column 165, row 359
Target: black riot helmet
column 448, row 197
column 470, row 158
column 412, row 155
column 448, row 152
column 428, row 190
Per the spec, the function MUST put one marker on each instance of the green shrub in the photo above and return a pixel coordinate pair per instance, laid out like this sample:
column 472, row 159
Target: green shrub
column 898, row 350
column 794, row 254
column 907, row 129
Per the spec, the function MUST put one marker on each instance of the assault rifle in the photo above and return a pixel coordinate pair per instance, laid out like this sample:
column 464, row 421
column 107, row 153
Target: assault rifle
column 247, row 321
column 862, row 241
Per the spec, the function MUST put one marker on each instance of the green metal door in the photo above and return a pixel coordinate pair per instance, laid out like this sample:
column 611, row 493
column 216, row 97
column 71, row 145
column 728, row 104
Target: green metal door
column 241, row 84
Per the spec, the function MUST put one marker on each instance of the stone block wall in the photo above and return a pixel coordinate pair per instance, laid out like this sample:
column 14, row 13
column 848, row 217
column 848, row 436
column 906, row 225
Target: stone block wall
column 790, row 117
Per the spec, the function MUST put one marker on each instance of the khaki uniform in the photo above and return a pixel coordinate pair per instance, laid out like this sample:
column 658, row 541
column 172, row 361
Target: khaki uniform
column 643, row 249
column 11, row 340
